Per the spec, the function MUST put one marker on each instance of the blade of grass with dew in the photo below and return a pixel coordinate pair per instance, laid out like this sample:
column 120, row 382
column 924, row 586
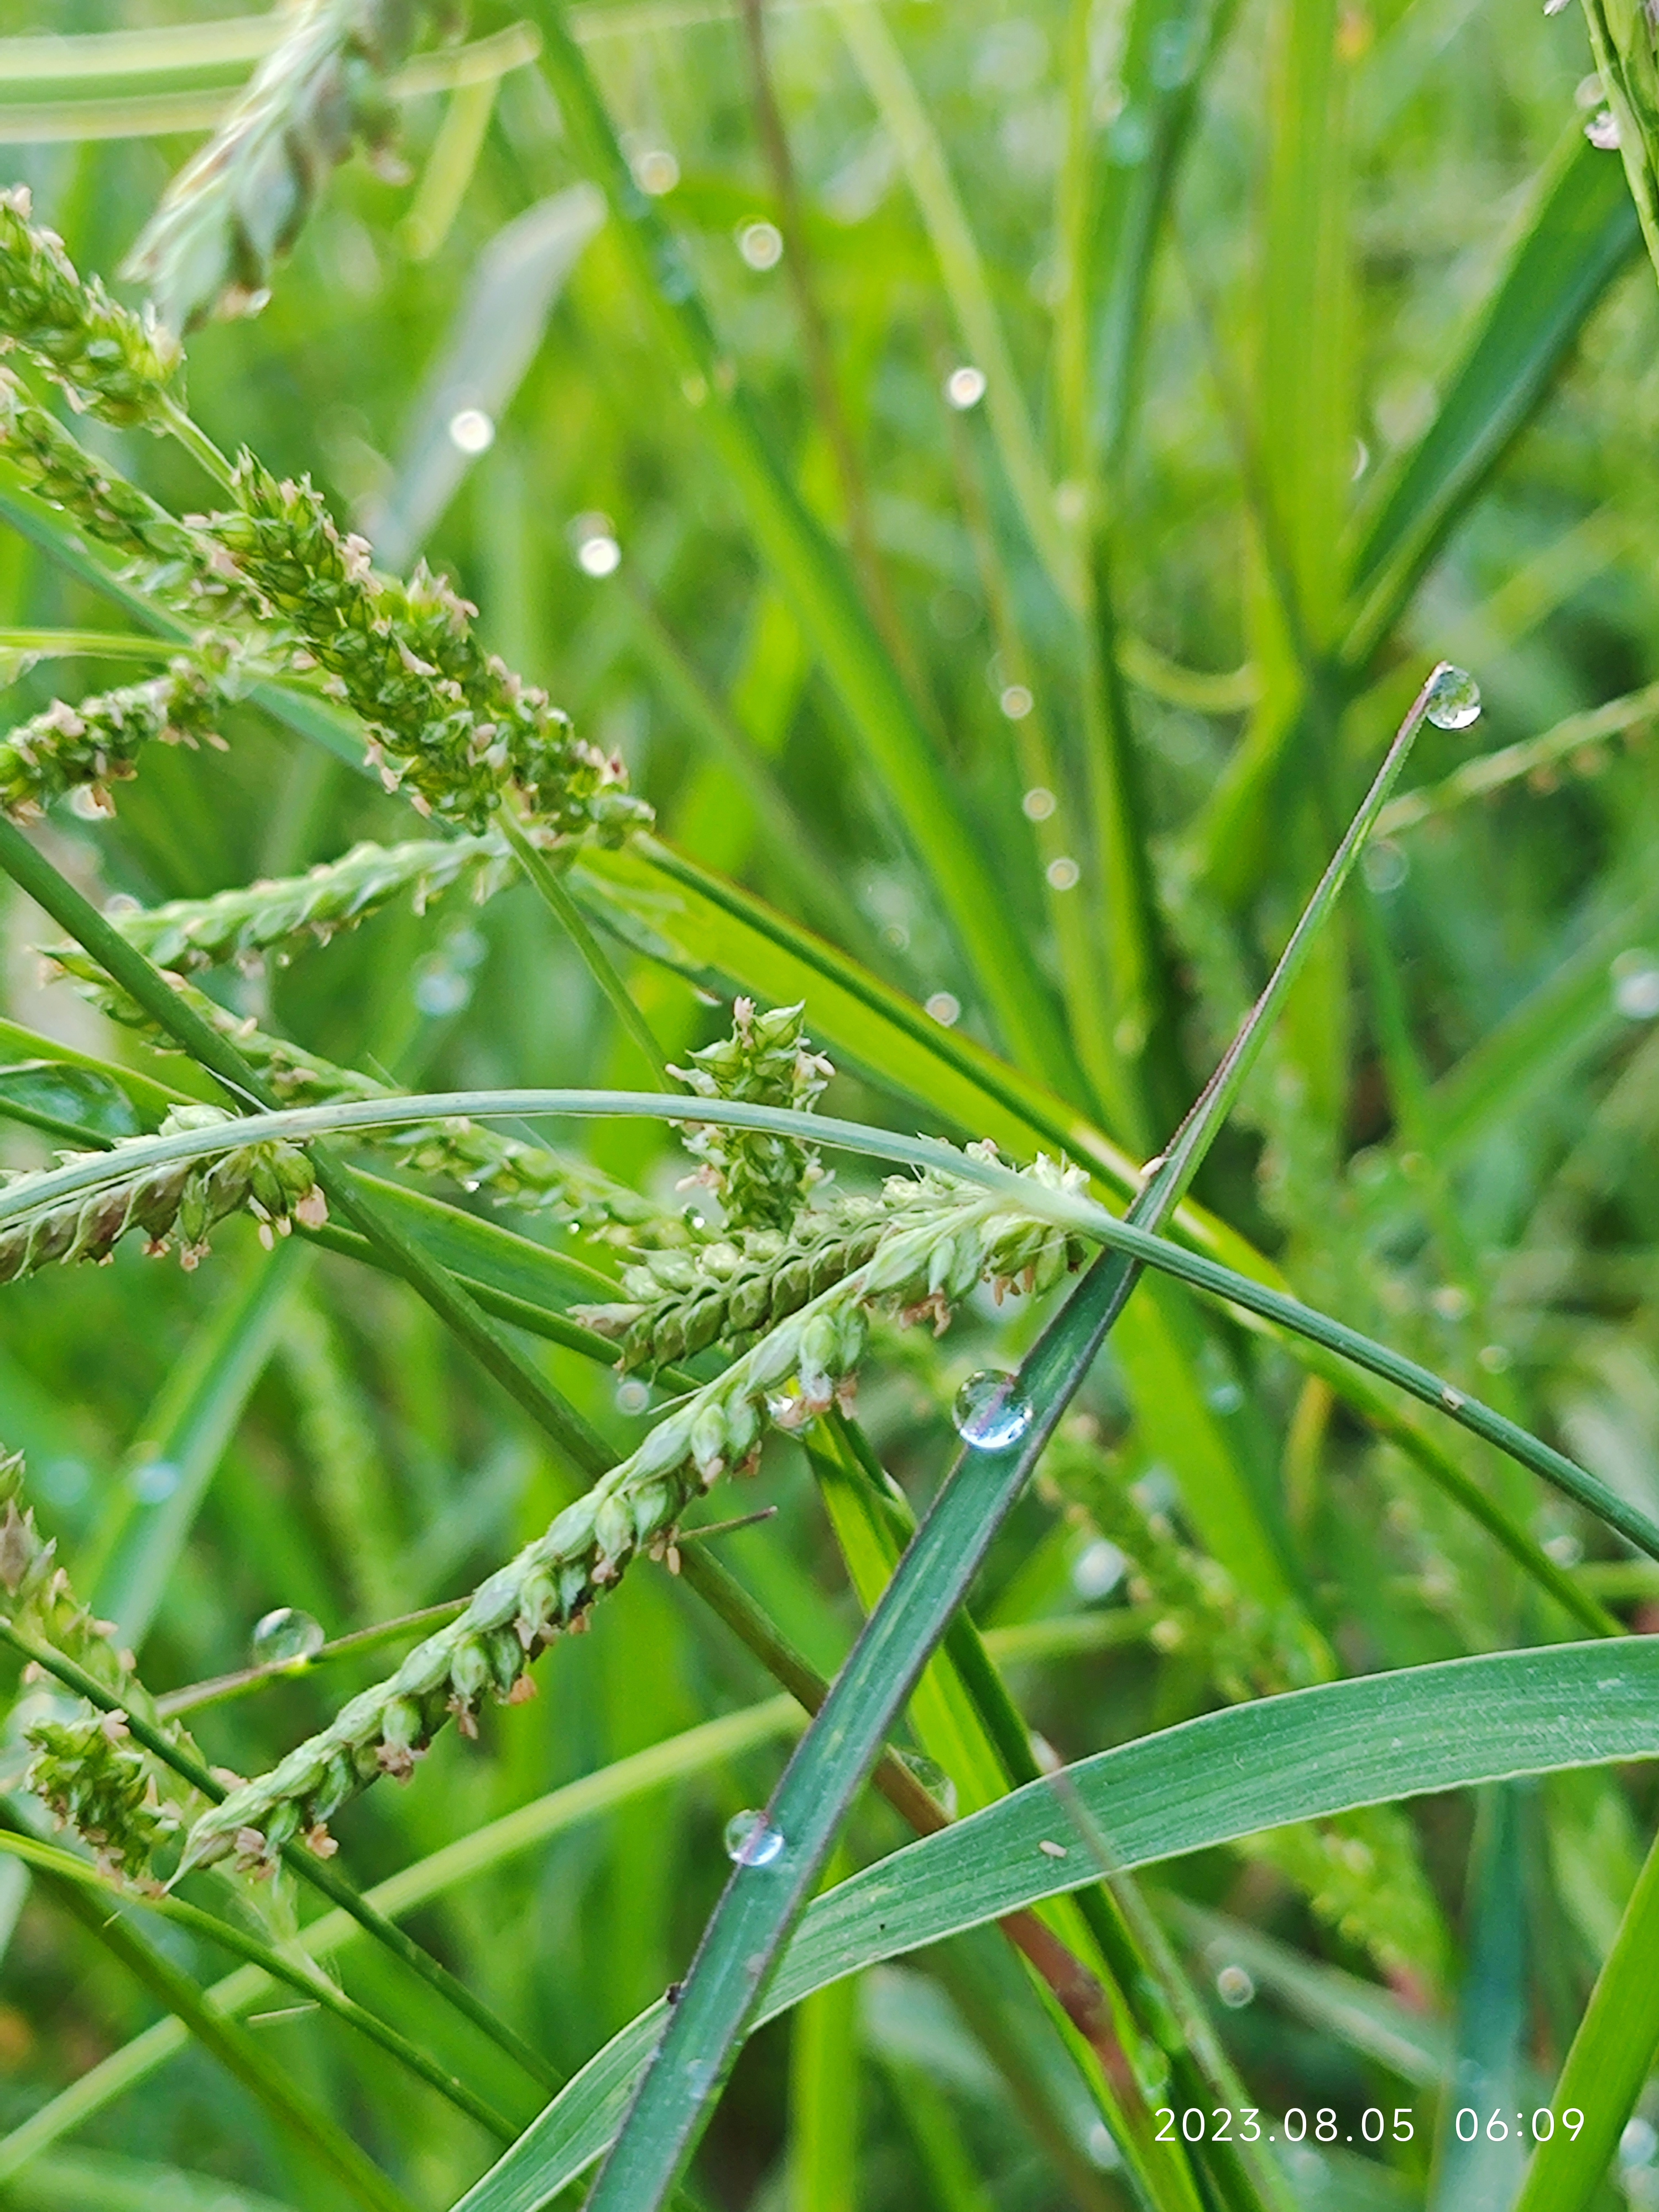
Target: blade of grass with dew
column 742, row 1940
column 160, row 1488
column 1371, row 2021
column 1608, row 2062
column 814, row 573
column 494, row 338
column 1308, row 1754
column 1621, row 39
column 952, row 1734
column 1581, row 734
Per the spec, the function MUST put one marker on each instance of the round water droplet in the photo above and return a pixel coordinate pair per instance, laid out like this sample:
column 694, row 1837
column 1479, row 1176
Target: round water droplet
column 1062, row 873
column 761, row 245
column 945, row 1007
column 632, row 1397
column 157, row 1478
column 1454, row 700
column 1038, row 804
column 1602, row 131
column 750, row 1842
column 1098, row 1569
column 1234, row 1987
column 1016, row 701
column 472, row 431
column 285, row 1637
column 989, row 1412
column 599, row 555
column 965, row 387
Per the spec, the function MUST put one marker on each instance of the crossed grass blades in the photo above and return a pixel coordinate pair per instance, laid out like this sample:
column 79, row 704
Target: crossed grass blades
column 755, row 1291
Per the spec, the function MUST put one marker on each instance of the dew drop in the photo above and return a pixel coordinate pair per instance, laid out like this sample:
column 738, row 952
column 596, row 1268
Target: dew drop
column 1234, row 1987
column 1452, row 1400
column 989, row 1413
column 1602, row 131
column 761, row 245
column 1062, row 872
column 1016, row 701
column 1038, row 804
column 285, row 1637
column 965, row 387
column 945, row 1007
column 750, row 1842
column 599, row 555
column 1098, row 1569
column 472, row 431
column 1556, row 7
column 156, row 1480
column 1454, row 700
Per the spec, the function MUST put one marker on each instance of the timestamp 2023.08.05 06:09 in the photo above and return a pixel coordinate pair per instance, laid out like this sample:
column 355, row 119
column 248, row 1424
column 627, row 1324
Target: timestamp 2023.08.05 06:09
column 1374, row 2125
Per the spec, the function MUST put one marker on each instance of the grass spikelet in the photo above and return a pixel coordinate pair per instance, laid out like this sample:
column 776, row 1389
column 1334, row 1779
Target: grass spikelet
column 176, row 1202
column 235, row 209
column 111, row 362
column 98, row 741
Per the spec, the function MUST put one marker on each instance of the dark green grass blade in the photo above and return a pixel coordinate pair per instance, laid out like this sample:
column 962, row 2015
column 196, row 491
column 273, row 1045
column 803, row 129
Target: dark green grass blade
column 1583, row 233
column 1307, row 1755
column 760, row 1904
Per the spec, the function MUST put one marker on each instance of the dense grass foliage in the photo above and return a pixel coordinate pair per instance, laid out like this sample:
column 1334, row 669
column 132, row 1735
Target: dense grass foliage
column 846, row 568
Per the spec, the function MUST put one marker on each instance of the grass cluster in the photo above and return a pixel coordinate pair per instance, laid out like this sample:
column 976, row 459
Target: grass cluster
column 844, row 809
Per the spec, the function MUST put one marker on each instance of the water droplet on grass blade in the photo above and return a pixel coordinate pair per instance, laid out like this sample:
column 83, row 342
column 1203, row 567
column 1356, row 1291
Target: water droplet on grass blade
column 472, row 431
column 1602, row 131
column 965, row 387
column 285, row 1637
column 989, row 1413
column 1454, row 700
column 1234, row 1987
column 750, row 1842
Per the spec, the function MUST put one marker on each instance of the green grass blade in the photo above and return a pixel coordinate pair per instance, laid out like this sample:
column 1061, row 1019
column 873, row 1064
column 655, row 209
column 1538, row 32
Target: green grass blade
column 314, row 1986
column 1488, row 2067
column 1583, row 233
column 320, row 2138
column 1608, row 2064
column 815, row 574
column 760, row 1903
column 138, row 1544
column 1621, row 39
column 1306, row 1755
column 717, row 2002
column 877, row 54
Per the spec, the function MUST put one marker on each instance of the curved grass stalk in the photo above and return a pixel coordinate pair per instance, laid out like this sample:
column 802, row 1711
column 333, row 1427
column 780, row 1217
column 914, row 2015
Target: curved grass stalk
column 1077, row 1214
